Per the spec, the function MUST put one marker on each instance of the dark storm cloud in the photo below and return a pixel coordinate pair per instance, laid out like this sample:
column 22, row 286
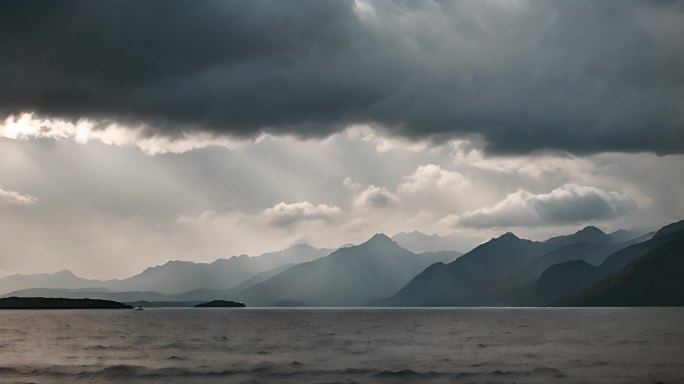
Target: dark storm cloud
column 583, row 76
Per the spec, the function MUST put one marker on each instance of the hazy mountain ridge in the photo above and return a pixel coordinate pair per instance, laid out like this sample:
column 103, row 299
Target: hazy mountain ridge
column 472, row 281
column 558, row 281
column 506, row 270
column 591, row 234
column 419, row 242
column 197, row 294
column 350, row 276
column 590, row 253
column 669, row 229
column 590, row 245
column 174, row 276
column 61, row 279
column 261, row 277
column 656, row 279
column 182, row 276
column 552, row 286
column 471, row 278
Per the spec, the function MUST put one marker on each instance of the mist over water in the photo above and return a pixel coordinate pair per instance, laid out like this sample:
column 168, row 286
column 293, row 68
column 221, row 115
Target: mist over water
column 626, row 345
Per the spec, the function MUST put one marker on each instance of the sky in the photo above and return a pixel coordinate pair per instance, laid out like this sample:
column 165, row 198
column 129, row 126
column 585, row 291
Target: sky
column 135, row 133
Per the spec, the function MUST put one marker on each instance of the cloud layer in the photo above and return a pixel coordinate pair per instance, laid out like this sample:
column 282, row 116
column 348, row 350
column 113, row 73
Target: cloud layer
column 119, row 211
column 276, row 122
column 569, row 203
column 581, row 76
column 16, row 198
column 283, row 214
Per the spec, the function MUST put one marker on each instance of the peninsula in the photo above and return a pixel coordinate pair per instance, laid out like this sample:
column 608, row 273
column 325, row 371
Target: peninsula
column 58, row 303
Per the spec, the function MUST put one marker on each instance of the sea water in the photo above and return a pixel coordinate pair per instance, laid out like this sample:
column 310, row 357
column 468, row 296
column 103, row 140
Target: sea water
column 459, row 345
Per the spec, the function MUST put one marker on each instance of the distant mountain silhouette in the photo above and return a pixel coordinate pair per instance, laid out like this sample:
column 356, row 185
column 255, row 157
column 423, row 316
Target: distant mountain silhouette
column 624, row 235
column 550, row 288
column 182, row 276
column 261, row 277
column 591, row 253
column 61, row 279
column 524, row 290
column 670, row 228
column 350, row 276
column 619, row 259
column 593, row 235
column 655, row 279
column 439, row 256
column 473, row 277
column 559, row 281
column 642, row 238
column 588, row 266
column 418, row 242
column 174, row 276
column 557, row 268
column 152, row 298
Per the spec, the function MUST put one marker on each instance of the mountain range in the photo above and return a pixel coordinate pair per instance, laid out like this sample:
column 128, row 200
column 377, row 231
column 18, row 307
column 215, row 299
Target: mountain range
column 588, row 267
column 654, row 279
column 62, row 279
column 511, row 271
column 176, row 276
column 181, row 276
column 350, row 276
column 570, row 278
column 473, row 277
column 594, row 235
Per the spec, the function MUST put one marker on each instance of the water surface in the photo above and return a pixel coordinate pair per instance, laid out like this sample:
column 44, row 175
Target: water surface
column 636, row 345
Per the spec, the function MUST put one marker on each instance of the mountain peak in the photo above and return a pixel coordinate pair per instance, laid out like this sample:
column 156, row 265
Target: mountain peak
column 179, row 262
column 64, row 272
column 508, row 235
column 589, row 234
column 591, row 229
column 379, row 240
column 299, row 246
column 379, row 237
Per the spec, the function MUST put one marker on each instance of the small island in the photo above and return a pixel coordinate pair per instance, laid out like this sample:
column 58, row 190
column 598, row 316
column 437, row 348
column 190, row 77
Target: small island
column 221, row 304
column 58, row 303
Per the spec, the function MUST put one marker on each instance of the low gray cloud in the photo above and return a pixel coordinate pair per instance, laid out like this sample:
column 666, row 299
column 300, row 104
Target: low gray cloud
column 569, row 203
column 16, row 198
column 283, row 214
column 376, row 197
column 581, row 76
